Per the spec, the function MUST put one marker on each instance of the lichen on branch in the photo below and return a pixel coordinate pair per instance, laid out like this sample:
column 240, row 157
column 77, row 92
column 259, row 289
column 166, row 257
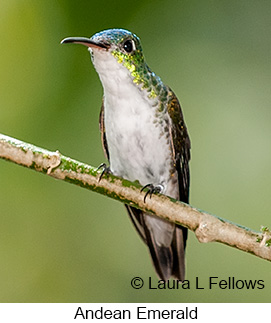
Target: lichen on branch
column 206, row 227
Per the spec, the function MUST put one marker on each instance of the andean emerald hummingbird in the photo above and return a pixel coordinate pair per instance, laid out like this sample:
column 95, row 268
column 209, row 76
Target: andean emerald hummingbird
column 144, row 138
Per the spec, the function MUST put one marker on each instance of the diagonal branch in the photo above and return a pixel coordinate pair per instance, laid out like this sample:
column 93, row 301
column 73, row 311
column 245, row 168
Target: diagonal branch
column 207, row 227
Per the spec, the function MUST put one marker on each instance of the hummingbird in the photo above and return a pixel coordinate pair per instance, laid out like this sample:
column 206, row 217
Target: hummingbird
column 144, row 138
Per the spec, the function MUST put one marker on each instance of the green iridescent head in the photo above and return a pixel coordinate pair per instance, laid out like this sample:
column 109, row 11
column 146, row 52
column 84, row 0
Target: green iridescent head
column 121, row 43
column 125, row 47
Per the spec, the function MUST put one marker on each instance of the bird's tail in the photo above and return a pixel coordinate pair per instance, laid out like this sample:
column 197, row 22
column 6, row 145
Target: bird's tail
column 166, row 242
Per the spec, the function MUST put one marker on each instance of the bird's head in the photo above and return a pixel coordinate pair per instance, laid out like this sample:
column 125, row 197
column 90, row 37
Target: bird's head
column 111, row 45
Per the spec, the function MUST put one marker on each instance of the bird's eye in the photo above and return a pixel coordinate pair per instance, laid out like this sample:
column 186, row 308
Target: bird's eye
column 128, row 46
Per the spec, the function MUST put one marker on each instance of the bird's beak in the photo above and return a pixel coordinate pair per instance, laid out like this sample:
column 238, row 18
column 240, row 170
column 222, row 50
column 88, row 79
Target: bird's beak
column 84, row 41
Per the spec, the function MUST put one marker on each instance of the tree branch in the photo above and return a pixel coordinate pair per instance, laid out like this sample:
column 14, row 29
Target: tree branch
column 207, row 227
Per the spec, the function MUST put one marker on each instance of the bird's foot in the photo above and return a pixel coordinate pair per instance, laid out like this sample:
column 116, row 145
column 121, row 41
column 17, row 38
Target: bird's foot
column 106, row 170
column 152, row 189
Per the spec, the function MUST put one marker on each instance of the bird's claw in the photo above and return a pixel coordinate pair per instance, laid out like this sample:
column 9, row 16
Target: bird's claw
column 106, row 170
column 151, row 189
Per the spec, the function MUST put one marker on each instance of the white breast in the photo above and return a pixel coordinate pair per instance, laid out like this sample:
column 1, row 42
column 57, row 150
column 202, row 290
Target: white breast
column 138, row 147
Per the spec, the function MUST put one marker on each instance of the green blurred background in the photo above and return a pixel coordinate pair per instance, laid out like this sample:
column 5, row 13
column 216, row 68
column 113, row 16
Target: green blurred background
column 60, row 243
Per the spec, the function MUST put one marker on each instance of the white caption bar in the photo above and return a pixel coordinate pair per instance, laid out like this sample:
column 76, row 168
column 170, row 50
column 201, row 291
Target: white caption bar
column 104, row 312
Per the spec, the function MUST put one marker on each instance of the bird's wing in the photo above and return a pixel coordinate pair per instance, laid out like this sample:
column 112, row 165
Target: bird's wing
column 181, row 152
column 102, row 130
column 180, row 143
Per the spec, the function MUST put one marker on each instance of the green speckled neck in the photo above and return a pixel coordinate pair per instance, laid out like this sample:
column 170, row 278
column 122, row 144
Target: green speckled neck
column 141, row 74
